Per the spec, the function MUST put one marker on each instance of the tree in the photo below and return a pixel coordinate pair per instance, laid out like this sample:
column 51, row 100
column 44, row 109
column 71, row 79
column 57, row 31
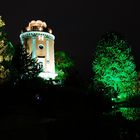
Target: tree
column 63, row 65
column 24, row 67
column 114, row 67
column 6, row 53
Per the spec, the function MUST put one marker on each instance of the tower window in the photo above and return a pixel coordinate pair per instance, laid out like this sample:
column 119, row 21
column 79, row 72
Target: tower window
column 40, row 46
column 40, row 64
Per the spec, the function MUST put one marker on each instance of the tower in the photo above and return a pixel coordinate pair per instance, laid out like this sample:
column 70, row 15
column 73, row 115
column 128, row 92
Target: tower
column 40, row 44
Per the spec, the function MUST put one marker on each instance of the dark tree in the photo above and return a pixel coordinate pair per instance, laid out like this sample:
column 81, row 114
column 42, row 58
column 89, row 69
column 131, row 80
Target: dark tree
column 24, row 67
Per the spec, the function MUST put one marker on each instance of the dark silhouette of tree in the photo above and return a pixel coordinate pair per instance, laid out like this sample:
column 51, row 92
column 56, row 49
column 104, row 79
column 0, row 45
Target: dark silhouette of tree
column 24, row 67
column 114, row 67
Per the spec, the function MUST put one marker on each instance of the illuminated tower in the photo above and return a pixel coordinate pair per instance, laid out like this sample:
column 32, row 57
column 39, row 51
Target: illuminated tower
column 41, row 45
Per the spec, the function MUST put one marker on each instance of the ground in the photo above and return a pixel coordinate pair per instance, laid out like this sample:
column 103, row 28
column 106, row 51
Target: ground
column 61, row 113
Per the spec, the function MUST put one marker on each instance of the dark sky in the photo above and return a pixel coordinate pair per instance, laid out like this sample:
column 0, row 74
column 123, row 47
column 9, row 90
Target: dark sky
column 77, row 25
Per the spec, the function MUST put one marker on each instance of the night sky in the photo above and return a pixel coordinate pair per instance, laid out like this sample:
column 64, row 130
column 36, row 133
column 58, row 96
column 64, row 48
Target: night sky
column 76, row 24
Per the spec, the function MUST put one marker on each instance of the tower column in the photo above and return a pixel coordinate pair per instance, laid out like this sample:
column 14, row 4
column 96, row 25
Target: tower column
column 34, row 47
column 48, row 53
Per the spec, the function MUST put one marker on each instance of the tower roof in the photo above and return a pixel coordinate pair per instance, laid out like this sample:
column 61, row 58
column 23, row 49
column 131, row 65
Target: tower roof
column 37, row 25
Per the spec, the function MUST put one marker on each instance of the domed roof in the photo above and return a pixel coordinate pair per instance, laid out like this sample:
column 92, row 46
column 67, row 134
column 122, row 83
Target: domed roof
column 36, row 25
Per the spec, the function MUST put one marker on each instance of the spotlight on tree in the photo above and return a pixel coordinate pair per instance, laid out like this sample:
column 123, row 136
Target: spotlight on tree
column 114, row 67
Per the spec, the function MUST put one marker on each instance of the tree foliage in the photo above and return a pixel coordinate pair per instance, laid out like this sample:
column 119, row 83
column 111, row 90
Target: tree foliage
column 63, row 64
column 6, row 53
column 24, row 67
column 114, row 66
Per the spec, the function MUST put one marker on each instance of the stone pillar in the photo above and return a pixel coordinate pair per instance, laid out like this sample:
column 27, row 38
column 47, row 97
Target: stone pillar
column 47, row 51
column 34, row 47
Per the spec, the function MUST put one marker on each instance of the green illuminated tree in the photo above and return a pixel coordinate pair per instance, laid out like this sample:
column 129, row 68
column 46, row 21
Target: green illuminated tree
column 114, row 67
column 63, row 65
column 6, row 53
column 24, row 67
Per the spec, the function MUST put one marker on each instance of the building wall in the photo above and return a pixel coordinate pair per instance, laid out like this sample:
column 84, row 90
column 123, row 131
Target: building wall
column 46, row 53
column 52, row 62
